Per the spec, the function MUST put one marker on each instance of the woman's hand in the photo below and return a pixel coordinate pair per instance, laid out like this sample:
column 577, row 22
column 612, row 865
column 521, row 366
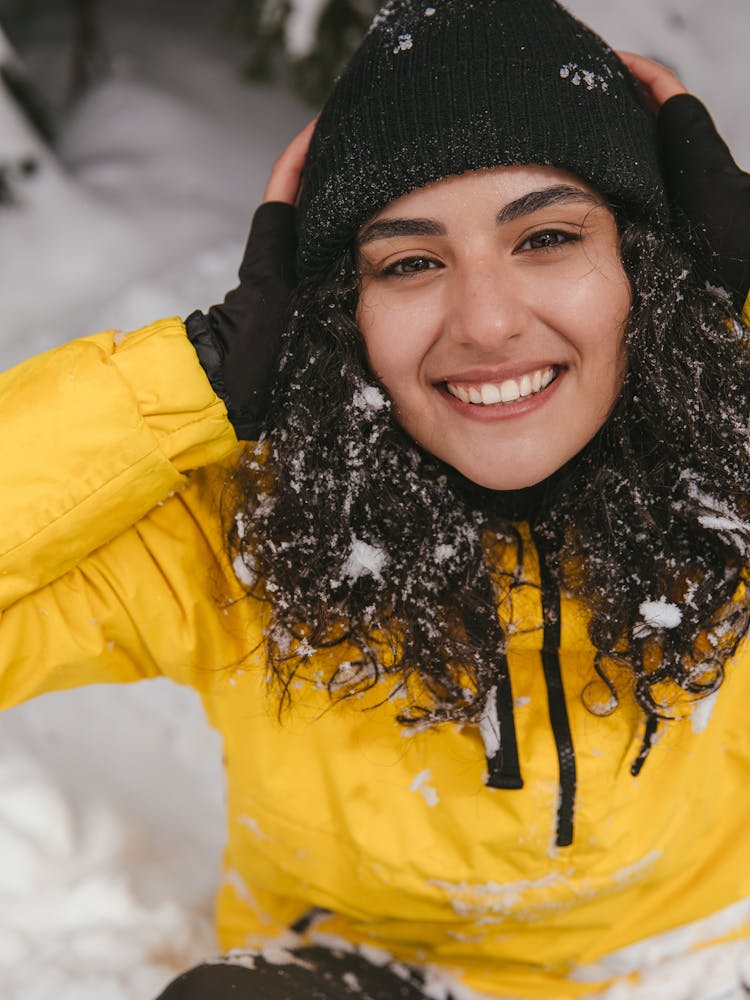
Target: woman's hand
column 703, row 182
column 659, row 82
column 237, row 342
column 285, row 181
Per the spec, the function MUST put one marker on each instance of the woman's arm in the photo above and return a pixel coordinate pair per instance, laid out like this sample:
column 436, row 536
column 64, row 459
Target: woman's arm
column 160, row 598
column 113, row 563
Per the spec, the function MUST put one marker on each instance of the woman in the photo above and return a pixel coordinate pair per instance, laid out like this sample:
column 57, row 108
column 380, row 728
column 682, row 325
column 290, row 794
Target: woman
column 470, row 619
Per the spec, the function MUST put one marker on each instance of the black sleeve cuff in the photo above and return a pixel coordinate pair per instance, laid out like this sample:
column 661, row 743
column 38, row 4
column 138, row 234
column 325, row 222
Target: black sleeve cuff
column 686, row 129
column 272, row 240
column 247, row 422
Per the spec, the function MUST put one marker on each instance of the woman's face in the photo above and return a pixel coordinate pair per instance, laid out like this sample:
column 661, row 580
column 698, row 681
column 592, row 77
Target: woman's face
column 493, row 307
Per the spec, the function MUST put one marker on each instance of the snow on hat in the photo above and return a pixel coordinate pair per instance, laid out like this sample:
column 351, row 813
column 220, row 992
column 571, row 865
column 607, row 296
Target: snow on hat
column 439, row 87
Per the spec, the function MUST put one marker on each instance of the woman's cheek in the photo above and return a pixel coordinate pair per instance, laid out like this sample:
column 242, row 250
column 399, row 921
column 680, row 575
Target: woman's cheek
column 398, row 330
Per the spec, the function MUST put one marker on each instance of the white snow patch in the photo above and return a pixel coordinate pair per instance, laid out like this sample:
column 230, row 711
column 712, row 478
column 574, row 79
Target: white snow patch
column 489, row 724
column 349, row 979
column 627, row 873
column 369, row 398
column 444, row 552
column 717, row 516
column 441, row 985
column 374, row 954
column 588, row 77
column 719, row 292
column 604, row 707
column 470, row 899
column 234, row 879
column 400, row 970
column 279, row 951
column 420, row 784
column 716, row 523
column 661, row 613
column 702, row 712
column 252, row 824
column 69, row 899
column 713, row 973
column 332, row 941
column 301, row 27
column 660, row 948
column 364, row 559
column 243, row 572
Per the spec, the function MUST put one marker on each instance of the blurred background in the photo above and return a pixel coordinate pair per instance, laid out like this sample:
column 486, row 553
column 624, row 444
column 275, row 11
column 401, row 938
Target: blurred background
column 136, row 137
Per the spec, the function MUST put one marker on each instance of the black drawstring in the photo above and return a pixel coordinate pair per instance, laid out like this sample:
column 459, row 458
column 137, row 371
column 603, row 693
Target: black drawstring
column 558, row 711
column 308, row 918
column 652, row 724
column 503, row 768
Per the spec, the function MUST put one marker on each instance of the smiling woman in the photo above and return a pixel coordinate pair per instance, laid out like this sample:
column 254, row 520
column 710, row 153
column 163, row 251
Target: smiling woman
column 459, row 613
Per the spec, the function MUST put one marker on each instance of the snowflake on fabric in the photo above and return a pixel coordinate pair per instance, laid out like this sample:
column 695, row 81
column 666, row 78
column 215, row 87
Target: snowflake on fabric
column 404, row 44
column 397, row 20
column 587, row 78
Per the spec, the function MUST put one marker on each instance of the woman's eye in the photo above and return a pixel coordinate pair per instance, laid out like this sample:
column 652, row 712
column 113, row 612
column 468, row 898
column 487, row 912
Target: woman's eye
column 549, row 239
column 410, row 265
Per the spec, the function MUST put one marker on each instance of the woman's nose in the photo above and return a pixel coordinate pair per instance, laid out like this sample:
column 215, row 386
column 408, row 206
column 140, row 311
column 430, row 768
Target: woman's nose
column 487, row 307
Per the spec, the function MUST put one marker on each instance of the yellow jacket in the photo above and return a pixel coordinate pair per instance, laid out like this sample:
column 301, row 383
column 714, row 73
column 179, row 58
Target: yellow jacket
column 113, row 568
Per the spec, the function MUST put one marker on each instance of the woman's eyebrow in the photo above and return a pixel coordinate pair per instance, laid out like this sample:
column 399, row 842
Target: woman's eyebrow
column 536, row 200
column 386, row 229
column 533, row 201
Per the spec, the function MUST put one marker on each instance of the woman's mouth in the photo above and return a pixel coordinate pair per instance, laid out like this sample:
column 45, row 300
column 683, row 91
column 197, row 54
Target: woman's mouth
column 508, row 391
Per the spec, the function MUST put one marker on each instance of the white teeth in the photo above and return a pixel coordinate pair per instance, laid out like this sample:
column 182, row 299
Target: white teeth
column 509, row 390
column 490, row 393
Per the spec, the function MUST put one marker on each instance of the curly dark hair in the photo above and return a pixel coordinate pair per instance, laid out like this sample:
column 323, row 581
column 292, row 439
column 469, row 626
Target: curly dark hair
column 372, row 549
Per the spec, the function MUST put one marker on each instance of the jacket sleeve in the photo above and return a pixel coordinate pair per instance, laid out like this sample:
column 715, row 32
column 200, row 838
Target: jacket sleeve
column 94, row 435
column 111, row 554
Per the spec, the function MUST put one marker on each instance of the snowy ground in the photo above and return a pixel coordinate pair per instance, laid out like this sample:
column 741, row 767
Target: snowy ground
column 108, row 862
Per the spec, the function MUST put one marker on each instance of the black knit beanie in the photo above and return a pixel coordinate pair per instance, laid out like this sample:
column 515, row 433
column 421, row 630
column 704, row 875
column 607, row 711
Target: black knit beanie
column 439, row 87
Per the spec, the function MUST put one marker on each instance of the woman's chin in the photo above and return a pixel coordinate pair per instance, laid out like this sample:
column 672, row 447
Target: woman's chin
column 507, row 480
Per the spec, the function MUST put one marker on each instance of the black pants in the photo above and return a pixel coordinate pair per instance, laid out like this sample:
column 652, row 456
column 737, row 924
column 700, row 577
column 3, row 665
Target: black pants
column 316, row 974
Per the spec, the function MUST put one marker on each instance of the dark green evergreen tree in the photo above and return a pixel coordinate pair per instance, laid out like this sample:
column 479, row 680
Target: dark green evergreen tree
column 265, row 24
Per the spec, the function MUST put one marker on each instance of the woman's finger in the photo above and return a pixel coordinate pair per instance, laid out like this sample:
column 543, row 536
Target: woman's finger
column 660, row 83
column 286, row 175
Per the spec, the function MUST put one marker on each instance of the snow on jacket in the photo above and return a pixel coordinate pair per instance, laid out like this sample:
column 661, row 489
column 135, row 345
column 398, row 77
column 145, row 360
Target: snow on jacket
column 113, row 568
